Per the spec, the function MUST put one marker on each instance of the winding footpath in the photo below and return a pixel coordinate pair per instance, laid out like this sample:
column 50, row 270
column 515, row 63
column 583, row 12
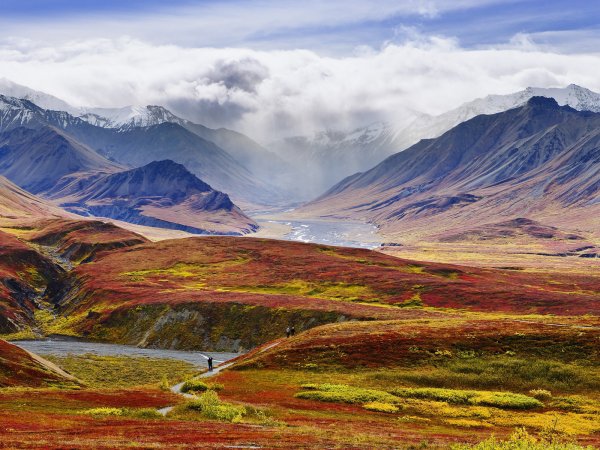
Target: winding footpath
column 208, row 374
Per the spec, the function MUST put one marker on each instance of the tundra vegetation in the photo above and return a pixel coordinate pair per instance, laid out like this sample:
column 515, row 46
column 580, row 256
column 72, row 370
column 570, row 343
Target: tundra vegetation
column 388, row 353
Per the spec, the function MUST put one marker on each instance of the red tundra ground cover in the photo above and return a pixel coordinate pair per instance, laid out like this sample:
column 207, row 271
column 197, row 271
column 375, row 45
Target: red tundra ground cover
column 78, row 239
column 18, row 368
column 23, row 271
column 372, row 344
column 295, row 275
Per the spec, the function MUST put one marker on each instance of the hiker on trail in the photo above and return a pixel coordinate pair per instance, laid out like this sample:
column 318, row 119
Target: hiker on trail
column 288, row 332
column 293, row 330
column 210, row 365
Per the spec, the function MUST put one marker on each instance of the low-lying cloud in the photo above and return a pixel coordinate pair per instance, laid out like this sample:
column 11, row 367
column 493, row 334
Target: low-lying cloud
column 269, row 94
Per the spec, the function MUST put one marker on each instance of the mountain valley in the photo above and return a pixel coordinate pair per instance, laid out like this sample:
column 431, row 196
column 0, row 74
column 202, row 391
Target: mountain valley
column 477, row 314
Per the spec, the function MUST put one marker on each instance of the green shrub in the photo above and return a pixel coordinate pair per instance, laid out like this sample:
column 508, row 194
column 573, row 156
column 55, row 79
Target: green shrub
column 104, row 412
column 164, row 384
column 262, row 417
column 200, row 386
column 211, row 407
column 507, row 400
column 540, row 394
column 444, row 395
column 520, row 440
column 310, row 387
column 340, row 393
column 140, row 413
column 572, row 404
column 381, row 407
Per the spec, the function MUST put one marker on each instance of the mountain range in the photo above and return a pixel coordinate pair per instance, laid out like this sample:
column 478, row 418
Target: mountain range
column 50, row 162
column 137, row 145
column 540, row 160
column 148, row 166
column 36, row 159
column 333, row 155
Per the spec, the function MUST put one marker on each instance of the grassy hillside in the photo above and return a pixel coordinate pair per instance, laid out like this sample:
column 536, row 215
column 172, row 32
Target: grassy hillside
column 79, row 240
column 19, row 368
column 389, row 353
column 407, row 343
column 232, row 293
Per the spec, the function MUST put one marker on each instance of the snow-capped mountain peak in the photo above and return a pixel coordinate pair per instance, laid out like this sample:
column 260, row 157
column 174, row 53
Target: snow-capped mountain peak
column 129, row 116
column 123, row 118
column 41, row 99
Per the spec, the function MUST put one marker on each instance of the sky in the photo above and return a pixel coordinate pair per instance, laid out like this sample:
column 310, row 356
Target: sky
column 276, row 68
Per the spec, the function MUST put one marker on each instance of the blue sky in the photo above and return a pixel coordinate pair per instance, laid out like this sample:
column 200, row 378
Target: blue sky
column 330, row 27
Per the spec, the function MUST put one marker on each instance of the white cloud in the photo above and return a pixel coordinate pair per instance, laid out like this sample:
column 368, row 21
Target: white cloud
column 273, row 93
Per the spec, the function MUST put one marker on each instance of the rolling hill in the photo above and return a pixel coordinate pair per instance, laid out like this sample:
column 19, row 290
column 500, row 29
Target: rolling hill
column 175, row 293
column 21, row 368
column 18, row 205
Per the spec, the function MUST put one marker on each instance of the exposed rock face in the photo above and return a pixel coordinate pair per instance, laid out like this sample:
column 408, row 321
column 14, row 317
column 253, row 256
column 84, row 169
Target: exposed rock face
column 162, row 194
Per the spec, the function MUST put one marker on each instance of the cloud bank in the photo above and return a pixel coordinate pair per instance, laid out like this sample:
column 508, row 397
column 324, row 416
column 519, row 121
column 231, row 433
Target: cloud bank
column 273, row 93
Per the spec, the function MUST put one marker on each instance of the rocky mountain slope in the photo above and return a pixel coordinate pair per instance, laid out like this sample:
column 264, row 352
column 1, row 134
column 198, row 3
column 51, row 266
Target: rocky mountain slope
column 35, row 159
column 161, row 194
column 135, row 146
column 333, row 155
column 238, row 145
column 537, row 161
column 205, row 159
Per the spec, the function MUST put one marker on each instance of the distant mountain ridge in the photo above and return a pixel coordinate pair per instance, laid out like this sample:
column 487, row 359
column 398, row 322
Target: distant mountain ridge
column 296, row 168
column 42, row 152
column 137, row 146
column 540, row 161
column 333, row 155
column 262, row 163
column 9, row 88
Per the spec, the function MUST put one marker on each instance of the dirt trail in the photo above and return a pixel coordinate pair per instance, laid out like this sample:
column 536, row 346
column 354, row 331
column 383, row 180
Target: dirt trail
column 208, row 374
